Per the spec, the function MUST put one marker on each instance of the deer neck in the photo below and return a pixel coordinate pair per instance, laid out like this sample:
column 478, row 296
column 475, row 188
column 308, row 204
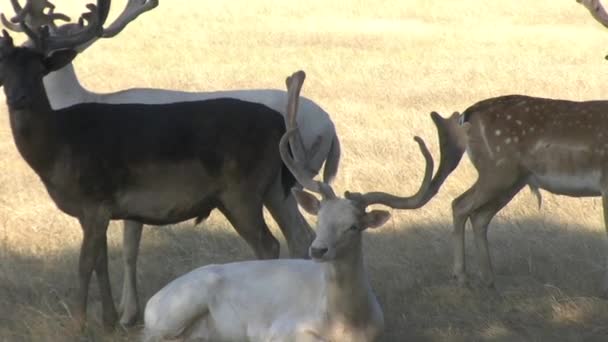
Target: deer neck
column 32, row 122
column 63, row 88
column 349, row 294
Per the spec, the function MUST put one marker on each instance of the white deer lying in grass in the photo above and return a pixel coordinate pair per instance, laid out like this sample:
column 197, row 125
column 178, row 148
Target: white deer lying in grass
column 328, row 298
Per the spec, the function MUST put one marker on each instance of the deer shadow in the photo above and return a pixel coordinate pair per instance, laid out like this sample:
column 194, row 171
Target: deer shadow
column 548, row 279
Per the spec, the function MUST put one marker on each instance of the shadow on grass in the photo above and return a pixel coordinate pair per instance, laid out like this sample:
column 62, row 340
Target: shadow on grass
column 548, row 279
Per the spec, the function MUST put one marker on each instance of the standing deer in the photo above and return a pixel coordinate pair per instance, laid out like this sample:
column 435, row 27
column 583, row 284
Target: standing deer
column 513, row 141
column 155, row 164
column 328, row 298
column 318, row 140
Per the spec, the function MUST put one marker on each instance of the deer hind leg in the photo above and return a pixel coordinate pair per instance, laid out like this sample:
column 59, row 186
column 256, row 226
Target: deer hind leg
column 129, row 301
column 480, row 219
column 246, row 215
column 485, row 190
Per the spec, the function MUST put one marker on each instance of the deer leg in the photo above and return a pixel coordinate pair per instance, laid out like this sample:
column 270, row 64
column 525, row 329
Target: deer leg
column 492, row 184
column 605, row 213
column 460, row 215
column 480, row 219
column 103, row 280
column 129, row 301
column 93, row 253
column 294, row 227
column 247, row 217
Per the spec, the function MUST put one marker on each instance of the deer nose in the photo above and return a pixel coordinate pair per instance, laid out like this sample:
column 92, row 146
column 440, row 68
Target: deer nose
column 317, row 253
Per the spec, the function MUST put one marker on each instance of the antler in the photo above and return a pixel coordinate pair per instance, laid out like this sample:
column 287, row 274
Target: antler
column 412, row 202
column 46, row 42
column 33, row 14
column 34, row 17
column 597, row 10
column 133, row 9
column 295, row 165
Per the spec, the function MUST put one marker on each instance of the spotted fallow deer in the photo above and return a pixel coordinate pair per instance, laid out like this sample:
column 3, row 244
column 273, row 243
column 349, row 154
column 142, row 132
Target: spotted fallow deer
column 318, row 135
column 328, row 298
column 557, row 145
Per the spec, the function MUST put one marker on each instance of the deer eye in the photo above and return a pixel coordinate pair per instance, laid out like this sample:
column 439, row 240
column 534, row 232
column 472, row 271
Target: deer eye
column 353, row 228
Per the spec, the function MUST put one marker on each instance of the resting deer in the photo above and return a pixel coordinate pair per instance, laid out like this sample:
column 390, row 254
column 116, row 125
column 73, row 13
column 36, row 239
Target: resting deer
column 318, row 139
column 328, row 298
column 156, row 164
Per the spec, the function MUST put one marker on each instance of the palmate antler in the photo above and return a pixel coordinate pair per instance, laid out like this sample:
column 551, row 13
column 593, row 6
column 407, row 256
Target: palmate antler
column 34, row 16
column 45, row 42
column 294, row 85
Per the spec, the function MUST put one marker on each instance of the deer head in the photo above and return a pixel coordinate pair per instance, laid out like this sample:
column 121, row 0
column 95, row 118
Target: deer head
column 20, row 67
column 340, row 221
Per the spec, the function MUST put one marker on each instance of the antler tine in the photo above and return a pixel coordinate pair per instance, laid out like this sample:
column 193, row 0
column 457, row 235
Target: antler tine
column 133, row 9
column 597, row 10
column 294, row 85
column 413, row 202
column 52, row 16
column 16, row 6
column 10, row 25
column 33, row 15
column 20, row 12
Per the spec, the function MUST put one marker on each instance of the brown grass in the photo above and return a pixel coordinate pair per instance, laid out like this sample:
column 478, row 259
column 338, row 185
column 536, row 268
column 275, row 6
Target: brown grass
column 379, row 68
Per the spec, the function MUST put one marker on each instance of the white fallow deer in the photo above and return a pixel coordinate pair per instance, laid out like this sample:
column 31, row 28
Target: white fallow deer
column 318, row 140
column 556, row 145
column 328, row 298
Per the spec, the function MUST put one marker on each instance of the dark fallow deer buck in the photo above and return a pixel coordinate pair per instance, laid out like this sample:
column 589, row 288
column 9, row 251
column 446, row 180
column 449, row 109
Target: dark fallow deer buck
column 515, row 141
column 155, row 164
column 319, row 141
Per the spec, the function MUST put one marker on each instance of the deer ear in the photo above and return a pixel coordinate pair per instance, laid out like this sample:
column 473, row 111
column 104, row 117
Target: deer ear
column 375, row 218
column 59, row 59
column 307, row 201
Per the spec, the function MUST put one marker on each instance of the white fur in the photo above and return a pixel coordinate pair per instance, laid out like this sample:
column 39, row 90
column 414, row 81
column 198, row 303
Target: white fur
column 275, row 300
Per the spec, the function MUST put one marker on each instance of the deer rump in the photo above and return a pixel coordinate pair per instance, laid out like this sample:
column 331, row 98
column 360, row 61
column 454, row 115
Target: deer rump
column 539, row 138
column 162, row 164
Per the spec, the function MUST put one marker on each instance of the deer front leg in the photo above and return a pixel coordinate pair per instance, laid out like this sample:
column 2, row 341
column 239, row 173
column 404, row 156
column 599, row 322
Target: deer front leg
column 129, row 301
column 93, row 255
column 605, row 213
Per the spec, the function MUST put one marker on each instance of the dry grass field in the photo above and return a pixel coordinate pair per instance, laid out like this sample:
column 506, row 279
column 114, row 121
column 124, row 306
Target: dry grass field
column 379, row 68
